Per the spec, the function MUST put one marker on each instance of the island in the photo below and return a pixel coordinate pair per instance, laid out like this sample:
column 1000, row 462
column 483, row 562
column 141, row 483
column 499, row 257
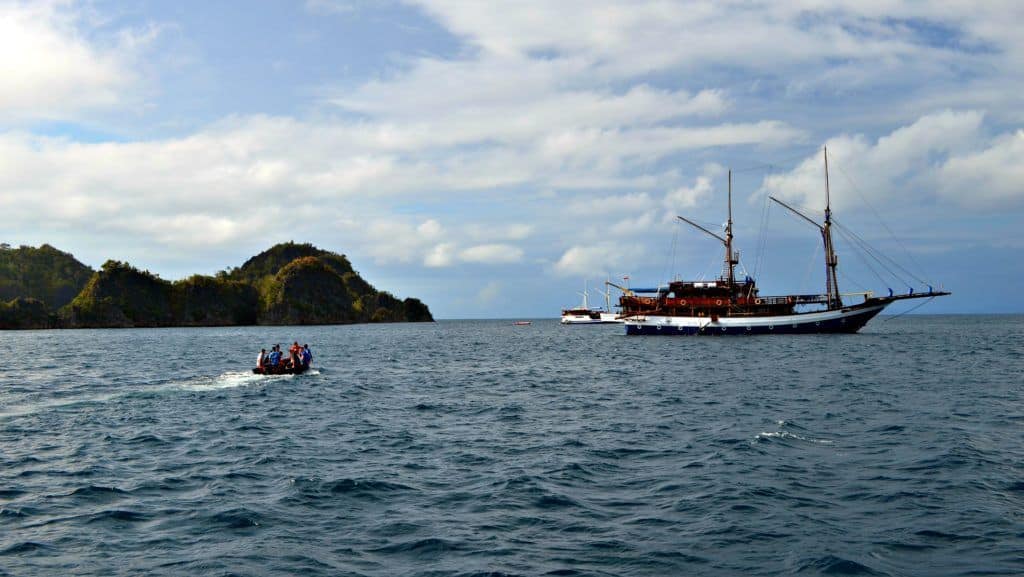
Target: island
column 287, row 284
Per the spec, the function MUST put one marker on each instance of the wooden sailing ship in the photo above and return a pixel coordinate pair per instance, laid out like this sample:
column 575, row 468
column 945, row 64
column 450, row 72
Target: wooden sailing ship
column 727, row 306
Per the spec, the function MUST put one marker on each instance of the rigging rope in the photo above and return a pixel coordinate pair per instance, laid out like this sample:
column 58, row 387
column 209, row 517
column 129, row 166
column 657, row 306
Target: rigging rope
column 910, row 311
column 762, row 237
column 807, row 273
column 860, row 255
column 884, row 225
column 672, row 261
column 879, row 256
column 783, row 163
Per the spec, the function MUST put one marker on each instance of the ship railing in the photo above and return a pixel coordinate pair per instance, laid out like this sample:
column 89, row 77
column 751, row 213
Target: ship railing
column 795, row 300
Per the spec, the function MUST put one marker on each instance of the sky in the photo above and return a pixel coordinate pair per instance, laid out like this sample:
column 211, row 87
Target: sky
column 491, row 157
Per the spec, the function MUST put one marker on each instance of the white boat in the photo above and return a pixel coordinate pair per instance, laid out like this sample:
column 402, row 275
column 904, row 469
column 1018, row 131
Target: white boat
column 584, row 315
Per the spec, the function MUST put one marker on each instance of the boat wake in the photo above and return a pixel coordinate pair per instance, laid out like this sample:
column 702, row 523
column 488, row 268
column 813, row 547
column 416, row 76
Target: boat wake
column 234, row 379
column 228, row 380
column 786, row 435
column 224, row 381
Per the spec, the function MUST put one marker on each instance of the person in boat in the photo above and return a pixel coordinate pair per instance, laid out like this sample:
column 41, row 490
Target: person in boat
column 261, row 358
column 275, row 357
column 293, row 354
column 307, row 356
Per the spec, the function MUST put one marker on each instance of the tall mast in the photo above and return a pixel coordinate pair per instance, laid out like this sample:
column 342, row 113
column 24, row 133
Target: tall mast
column 730, row 261
column 586, row 301
column 831, row 282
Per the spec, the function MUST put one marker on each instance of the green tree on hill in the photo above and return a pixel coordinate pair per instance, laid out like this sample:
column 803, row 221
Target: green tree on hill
column 287, row 284
column 45, row 274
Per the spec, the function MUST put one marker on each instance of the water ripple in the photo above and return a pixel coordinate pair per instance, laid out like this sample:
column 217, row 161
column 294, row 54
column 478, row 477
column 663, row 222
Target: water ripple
column 472, row 449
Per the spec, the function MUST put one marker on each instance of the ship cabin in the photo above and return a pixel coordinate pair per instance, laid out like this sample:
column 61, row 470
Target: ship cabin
column 707, row 299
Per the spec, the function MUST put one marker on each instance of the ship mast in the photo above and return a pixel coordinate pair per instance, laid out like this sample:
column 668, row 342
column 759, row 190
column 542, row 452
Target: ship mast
column 731, row 260
column 831, row 260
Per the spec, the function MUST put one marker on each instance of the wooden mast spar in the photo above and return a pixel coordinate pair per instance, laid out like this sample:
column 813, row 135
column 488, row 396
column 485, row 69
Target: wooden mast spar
column 831, row 260
column 835, row 301
column 729, row 271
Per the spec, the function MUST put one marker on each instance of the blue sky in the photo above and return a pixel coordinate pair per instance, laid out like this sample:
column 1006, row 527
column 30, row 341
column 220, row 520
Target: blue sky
column 488, row 157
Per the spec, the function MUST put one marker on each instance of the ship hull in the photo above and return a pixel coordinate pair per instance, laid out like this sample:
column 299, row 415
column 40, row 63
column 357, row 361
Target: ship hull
column 845, row 320
column 592, row 318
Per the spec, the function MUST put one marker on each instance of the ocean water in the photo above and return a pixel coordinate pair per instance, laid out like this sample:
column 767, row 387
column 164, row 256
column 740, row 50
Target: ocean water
column 482, row 448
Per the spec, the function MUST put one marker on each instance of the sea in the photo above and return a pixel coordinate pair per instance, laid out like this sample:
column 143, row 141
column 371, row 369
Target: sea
column 480, row 448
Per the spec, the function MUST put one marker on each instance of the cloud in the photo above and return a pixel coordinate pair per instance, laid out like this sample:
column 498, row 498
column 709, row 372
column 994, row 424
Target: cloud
column 440, row 255
column 489, row 293
column 492, row 254
column 690, row 196
column 909, row 162
column 52, row 71
column 597, row 259
column 330, row 6
column 503, row 232
column 563, row 133
column 989, row 178
column 629, row 202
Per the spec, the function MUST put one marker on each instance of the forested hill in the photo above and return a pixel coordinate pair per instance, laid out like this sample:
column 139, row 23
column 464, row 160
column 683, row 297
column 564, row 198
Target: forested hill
column 287, row 284
column 45, row 274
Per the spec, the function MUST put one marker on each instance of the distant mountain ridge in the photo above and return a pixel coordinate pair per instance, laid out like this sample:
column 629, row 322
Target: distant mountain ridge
column 288, row 284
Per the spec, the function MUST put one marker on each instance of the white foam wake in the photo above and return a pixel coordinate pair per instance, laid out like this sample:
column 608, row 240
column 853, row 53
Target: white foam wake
column 788, row 435
column 228, row 380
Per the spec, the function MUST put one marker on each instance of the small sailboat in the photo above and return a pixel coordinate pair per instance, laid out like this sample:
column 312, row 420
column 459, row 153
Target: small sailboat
column 727, row 306
column 584, row 315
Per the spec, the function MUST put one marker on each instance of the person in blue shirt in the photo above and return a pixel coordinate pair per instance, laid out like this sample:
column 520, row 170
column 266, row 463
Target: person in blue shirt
column 307, row 356
column 275, row 357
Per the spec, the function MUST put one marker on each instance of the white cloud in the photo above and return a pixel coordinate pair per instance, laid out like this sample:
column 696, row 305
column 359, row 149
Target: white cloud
column 596, row 259
column 897, row 166
column 690, row 196
column 638, row 225
column 430, row 229
column 52, row 71
column 441, row 255
column 497, row 232
column 987, row 178
column 589, row 206
column 575, row 115
column 492, row 254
